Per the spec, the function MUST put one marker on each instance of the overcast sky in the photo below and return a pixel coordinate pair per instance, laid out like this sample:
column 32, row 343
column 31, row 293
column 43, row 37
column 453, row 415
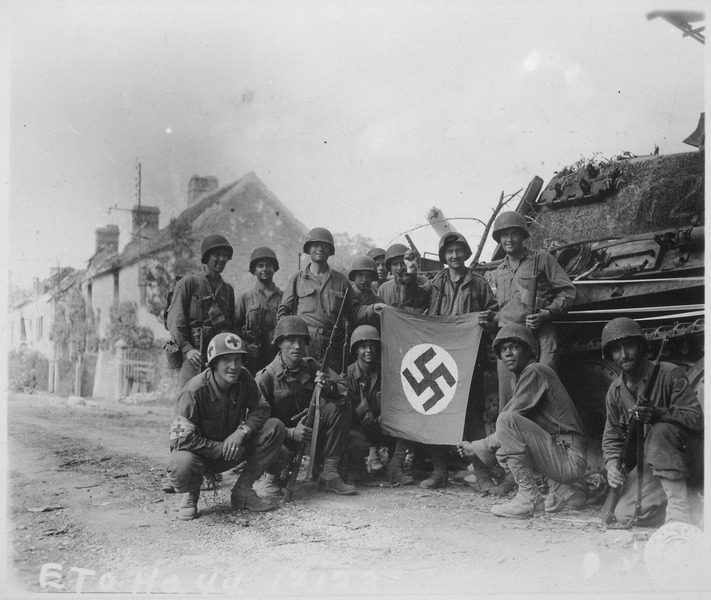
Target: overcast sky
column 359, row 116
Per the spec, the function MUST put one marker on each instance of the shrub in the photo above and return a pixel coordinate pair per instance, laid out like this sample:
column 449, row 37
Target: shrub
column 28, row 371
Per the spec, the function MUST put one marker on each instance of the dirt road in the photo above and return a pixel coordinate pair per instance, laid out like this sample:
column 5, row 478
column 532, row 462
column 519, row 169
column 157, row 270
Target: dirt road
column 107, row 526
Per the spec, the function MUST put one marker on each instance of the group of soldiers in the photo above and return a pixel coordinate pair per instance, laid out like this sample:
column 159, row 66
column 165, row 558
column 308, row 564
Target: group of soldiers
column 254, row 366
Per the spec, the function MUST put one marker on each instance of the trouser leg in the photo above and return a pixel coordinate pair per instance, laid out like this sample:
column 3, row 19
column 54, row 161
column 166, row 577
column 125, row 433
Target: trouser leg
column 260, row 451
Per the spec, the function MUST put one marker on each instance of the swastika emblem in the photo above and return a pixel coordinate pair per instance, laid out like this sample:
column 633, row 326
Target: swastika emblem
column 429, row 378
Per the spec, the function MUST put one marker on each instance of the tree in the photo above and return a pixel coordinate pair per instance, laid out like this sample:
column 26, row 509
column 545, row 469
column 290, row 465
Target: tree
column 74, row 327
column 179, row 260
column 348, row 246
column 123, row 325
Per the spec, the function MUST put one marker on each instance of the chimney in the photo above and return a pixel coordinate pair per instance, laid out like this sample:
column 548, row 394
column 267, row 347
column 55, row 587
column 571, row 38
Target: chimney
column 107, row 237
column 199, row 187
column 145, row 220
column 37, row 288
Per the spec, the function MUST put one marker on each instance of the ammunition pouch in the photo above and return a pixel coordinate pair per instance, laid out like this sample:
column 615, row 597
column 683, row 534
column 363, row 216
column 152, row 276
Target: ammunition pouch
column 214, row 314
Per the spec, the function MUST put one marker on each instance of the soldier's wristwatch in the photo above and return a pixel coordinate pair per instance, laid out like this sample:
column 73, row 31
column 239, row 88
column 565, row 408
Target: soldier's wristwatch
column 245, row 430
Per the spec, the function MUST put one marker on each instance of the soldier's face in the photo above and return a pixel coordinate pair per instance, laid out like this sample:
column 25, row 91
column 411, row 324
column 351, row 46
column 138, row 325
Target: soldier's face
column 363, row 280
column 515, row 356
column 454, row 255
column 367, row 352
column 396, row 264
column 227, row 369
column 216, row 260
column 511, row 241
column 264, row 270
column 319, row 252
column 293, row 349
column 381, row 270
column 626, row 354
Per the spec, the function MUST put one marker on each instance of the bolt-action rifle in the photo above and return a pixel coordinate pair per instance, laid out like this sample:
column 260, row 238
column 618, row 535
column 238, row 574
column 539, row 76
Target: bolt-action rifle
column 633, row 453
column 313, row 418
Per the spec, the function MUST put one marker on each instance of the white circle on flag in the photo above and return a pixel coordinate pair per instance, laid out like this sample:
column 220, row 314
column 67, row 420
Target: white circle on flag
column 429, row 378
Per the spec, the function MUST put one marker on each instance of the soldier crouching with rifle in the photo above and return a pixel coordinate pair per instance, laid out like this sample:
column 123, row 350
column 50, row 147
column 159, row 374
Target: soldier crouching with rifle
column 657, row 395
column 290, row 383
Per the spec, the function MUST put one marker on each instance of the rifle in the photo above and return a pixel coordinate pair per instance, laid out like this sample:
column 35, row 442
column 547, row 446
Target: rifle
column 531, row 309
column 633, row 453
column 313, row 418
column 344, row 356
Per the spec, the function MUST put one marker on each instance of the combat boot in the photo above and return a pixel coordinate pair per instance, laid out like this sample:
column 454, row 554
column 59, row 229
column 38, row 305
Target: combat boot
column 564, row 496
column 484, row 483
column 187, row 511
column 242, row 499
column 268, row 486
column 330, row 480
column 395, row 471
column 677, row 504
column 374, row 464
column 505, row 486
column 528, row 502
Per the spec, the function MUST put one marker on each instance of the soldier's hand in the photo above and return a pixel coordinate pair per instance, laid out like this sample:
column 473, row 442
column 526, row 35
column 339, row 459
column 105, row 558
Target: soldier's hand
column 302, row 433
column 615, row 477
column 322, row 379
column 254, row 350
column 378, row 307
column 534, row 321
column 410, row 260
column 194, row 358
column 647, row 414
column 485, row 318
column 232, row 447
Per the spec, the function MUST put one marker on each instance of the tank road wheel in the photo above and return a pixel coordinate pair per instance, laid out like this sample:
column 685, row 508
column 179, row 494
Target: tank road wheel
column 587, row 382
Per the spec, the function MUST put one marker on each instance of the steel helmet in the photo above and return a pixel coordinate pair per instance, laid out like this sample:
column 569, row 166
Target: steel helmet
column 214, row 241
column 453, row 238
column 520, row 333
column 291, row 326
column 224, row 343
column 376, row 253
column 260, row 254
column 362, row 263
column 364, row 333
column 319, row 234
column 507, row 220
column 618, row 329
column 393, row 252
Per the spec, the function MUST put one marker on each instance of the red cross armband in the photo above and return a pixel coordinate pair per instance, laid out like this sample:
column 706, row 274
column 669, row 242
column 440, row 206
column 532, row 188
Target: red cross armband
column 180, row 430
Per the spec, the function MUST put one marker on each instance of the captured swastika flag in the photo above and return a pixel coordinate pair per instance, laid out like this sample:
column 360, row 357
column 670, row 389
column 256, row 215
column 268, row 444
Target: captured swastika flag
column 427, row 368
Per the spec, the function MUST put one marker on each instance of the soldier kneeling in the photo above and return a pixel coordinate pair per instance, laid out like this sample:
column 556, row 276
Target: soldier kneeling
column 222, row 420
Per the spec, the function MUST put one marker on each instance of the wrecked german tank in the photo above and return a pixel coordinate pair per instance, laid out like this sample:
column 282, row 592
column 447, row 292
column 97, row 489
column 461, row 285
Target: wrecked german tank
column 630, row 234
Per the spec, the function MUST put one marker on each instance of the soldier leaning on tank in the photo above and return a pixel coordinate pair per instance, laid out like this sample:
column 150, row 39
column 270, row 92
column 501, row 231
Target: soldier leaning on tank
column 221, row 420
column 512, row 283
column 455, row 290
column 673, row 424
column 316, row 293
column 362, row 274
column 364, row 387
column 378, row 255
column 256, row 310
column 539, row 429
column 288, row 384
column 203, row 305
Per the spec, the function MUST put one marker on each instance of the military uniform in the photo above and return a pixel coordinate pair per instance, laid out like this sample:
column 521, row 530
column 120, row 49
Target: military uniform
column 317, row 300
column 289, row 392
column 205, row 417
column 198, row 312
column 669, row 444
column 255, row 317
column 391, row 293
column 512, row 286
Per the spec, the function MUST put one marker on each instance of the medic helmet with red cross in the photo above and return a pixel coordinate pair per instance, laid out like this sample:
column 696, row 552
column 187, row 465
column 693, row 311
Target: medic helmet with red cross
column 224, row 343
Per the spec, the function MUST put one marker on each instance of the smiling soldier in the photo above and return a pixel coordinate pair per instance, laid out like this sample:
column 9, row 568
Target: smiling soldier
column 221, row 420
column 203, row 305
column 673, row 421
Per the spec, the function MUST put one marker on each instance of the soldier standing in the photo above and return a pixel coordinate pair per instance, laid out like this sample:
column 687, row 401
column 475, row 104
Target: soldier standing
column 391, row 290
column 378, row 255
column 513, row 283
column 455, row 290
column 203, row 305
column 288, row 384
column 316, row 294
column 256, row 309
column 673, row 423
column 220, row 421
column 363, row 273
